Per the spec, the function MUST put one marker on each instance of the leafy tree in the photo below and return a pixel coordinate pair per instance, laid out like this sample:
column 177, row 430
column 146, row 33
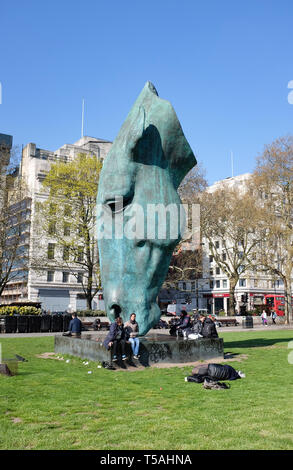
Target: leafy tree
column 67, row 218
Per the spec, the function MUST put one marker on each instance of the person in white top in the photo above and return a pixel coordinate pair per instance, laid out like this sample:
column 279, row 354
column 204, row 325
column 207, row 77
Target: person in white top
column 264, row 318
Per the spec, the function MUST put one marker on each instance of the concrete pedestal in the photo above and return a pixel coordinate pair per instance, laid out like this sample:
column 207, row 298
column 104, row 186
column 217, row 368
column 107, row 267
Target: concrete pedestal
column 154, row 349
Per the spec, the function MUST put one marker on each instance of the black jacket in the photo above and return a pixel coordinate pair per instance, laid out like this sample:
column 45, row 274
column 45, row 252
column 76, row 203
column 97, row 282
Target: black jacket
column 215, row 372
column 184, row 322
column 222, row 372
column 115, row 333
column 75, row 325
column 197, row 327
column 209, row 329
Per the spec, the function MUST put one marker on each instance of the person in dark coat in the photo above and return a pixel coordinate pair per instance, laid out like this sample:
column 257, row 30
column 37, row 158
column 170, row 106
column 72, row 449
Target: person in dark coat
column 97, row 324
column 209, row 329
column 214, row 372
column 184, row 324
column 75, row 326
column 116, row 338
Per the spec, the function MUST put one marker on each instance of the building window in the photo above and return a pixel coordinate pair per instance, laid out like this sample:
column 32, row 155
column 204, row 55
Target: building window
column 242, row 282
column 183, row 285
column 66, row 229
column 52, row 228
column 211, row 258
column 241, row 268
column 218, row 284
column 65, row 276
column 53, row 209
column 79, row 277
column 218, row 271
column 66, row 253
column 80, row 254
column 51, row 250
column 67, row 210
column 217, row 244
column 50, row 276
column 211, row 284
column 224, row 256
column 225, row 284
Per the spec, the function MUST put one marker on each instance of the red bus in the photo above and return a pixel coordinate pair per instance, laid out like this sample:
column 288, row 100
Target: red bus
column 276, row 302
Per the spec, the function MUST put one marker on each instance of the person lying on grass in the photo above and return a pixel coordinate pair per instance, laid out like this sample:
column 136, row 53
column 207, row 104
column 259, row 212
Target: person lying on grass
column 214, row 372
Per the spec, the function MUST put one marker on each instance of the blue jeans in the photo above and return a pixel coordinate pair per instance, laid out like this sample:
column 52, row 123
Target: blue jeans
column 135, row 345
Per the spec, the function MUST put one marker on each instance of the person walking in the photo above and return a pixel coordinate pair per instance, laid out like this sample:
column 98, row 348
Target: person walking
column 274, row 316
column 264, row 318
column 133, row 329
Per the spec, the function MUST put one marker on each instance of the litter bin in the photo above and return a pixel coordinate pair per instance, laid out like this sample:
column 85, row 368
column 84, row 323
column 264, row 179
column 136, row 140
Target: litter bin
column 247, row 321
column 34, row 324
column 66, row 321
column 57, row 323
column 10, row 324
column 45, row 323
column 22, row 324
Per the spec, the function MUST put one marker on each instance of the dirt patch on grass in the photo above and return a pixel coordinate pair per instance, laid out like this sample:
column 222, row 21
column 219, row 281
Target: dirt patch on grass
column 50, row 355
column 228, row 357
column 16, row 420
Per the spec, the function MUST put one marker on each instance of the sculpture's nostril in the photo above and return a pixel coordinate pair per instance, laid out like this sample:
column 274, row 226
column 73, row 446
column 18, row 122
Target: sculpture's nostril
column 115, row 310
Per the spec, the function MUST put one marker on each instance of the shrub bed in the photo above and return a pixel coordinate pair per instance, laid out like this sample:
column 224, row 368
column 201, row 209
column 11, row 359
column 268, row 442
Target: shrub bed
column 14, row 310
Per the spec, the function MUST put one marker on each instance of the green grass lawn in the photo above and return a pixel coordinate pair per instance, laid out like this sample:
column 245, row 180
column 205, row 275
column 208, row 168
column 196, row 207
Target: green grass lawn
column 55, row 404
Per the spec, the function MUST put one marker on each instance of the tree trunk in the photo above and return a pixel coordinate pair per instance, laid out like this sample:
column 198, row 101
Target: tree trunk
column 88, row 300
column 89, row 287
column 288, row 301
column 231, row 311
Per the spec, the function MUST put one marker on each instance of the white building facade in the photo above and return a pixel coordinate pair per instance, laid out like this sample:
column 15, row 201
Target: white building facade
column 57, row 289
column 251, row 288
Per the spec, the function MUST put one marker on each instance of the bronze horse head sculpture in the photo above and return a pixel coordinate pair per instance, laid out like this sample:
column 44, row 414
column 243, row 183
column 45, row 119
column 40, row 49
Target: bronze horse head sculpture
column 139, row 220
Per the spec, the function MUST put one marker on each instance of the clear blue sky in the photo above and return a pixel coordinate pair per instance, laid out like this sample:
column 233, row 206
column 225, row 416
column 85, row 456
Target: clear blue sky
column 224, row 65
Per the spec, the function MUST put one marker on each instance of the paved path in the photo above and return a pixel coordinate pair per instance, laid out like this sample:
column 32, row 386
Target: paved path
column 157, row 331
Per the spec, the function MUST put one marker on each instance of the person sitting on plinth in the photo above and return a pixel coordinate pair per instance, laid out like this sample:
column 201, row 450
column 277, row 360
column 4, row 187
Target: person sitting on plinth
column 133, row 329
column 116, row 339
column 75, row 326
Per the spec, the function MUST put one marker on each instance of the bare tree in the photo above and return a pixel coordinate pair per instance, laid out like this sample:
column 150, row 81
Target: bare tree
column 231, row 228
column 186, row 263
column 14, row 204
column 273, row 183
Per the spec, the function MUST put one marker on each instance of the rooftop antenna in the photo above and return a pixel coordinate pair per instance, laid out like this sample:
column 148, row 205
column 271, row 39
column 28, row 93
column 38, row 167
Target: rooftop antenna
column 82, row 118
column 232, row 163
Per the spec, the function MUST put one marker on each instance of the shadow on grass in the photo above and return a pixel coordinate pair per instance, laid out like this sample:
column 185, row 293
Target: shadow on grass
column 255, row 342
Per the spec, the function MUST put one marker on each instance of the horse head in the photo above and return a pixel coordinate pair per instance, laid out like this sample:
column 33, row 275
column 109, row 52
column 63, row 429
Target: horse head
column 139, row 214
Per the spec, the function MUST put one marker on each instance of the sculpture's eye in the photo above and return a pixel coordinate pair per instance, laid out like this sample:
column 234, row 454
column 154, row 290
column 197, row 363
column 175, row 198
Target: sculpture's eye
column 118, row 204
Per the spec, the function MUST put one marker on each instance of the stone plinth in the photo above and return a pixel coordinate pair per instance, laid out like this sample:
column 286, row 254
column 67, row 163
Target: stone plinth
column 154, row 349
column 89, row 347
column 166, row 348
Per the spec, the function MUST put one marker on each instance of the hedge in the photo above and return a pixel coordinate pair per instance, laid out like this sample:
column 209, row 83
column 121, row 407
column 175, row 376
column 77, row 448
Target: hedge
column 91, row 313
column 14, row 310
